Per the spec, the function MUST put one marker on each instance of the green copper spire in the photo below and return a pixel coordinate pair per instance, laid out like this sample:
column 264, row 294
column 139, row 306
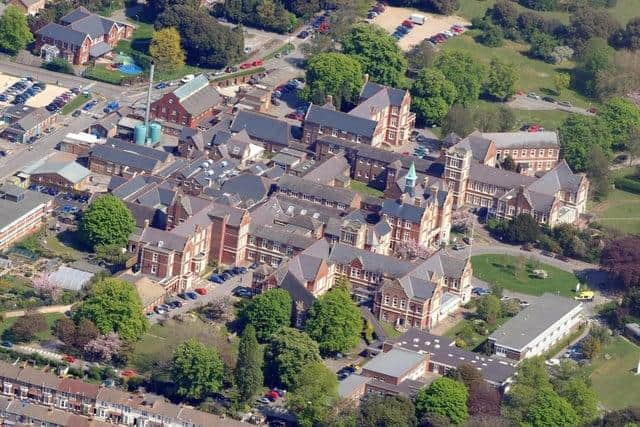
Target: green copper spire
column 412, row 176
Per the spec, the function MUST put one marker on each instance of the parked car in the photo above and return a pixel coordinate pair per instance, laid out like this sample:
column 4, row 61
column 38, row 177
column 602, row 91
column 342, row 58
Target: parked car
column 76, row 113
column 231, row 69
column 565, row 104
column 303, row 34
column 480, row 291
column 7, row 344
column 162, row 85
column 257, row 63
column 68, row 358
column 549, row 99
column 263, row 400
column 272, row 395
column 216, row 278
column 175, row 304
column 245, row 66
column 239, row 270
column 160, row 310
column 187, row 78
column 458, row 247
column 407, row 23
column 191, row 295
column 201, row 291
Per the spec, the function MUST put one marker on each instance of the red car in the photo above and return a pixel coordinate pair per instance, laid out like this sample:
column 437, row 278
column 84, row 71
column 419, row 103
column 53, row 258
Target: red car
column 272, row 395
column 295, row 116
column 245, row 66
column 128, row 373
column 68, row 358
column 257, row 63
column 201, row 291
column 324, row 27
column 407, row 23
column 592, row 110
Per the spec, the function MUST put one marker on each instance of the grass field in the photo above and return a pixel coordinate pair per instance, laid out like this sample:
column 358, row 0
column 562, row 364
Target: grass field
column 101, row 73
column 156, row 346
column 75, row 103
column 620, row 210
column 516, row 274
column 42, row 336
column 362, row 188
column 614, row 380
column 550, row 120
column 534, row 75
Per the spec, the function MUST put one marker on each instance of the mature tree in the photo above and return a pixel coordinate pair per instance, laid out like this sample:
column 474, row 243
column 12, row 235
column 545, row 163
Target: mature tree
column 591, row 347
column 550, row 410
column 459, row 120
column 86, row 331
column 561, row 81
column 107, row 221
column 248, row 372
column 504, row 13
column 630, row 36
column 196, row 370
column 581, row 397
column 268, row 312
column 334, row 74
column 595, row 59
column 14, row 30
column 579, row 134
column 165, row 48
column 500, row 119
column 220, row 309
column 492, row 35
column 114, row 306
column 156, row 7
column 483, row 399
column 65, row 330
column 286, row 354
column 587, row 22
column 314, row 394
column 302, row 7
column 489, row 309
column 46, row 288
column 445, row 397
column 433, row 95
column 104, row 347
column 388, row 411
column 633, row 144
column 334, row 322
column 509, row 164
column 622, row 116
column 26, row 328
column 542, row 46
column 377, row 52
column 412, row 250
column 59, row 65
column 444, row 7
column 523, row 229
column 464, row 72
column 501, row 80
column 421, row 56
column 543, row 5
column 621, row 78
column 598, row 172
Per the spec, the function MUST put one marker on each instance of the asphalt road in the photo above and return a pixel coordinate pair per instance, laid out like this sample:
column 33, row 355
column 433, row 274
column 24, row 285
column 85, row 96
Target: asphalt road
column 523, row 102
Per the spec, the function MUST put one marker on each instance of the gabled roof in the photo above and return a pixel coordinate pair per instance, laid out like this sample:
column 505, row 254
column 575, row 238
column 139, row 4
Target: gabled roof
column 405, row 211
column 197, row 95
column 371, row 261
column 559, row 178
column 506, row 140
column 332, row 194
column 162, row 239
column 395, row 96
column 344, row 122
column 261, row 126
column 70, row 170
column 249, row 188
column 76, row 14
column 499, row 177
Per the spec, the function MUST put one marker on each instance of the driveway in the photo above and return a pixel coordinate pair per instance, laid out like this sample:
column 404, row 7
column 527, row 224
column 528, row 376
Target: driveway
column 214, row 291
column 523, row 102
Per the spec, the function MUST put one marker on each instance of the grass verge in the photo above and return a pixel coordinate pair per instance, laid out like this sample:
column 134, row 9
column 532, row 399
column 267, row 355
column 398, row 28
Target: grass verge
column 516, row 274
column 362, row 188
column 390, row 330
column 102, row 74
column 75, row 103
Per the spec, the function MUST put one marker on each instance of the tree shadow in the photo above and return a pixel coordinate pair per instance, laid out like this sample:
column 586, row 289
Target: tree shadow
column 74, row 240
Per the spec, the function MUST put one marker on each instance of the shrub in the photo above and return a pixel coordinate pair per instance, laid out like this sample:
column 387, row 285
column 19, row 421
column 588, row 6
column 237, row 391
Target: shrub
column 59, row 65
column 627, row 183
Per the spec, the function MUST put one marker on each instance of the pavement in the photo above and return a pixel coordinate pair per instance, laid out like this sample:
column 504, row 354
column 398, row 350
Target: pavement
column 44, row 310
column 523, row 102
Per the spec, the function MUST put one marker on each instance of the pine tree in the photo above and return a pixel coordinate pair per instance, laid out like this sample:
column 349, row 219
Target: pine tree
column 248, row 371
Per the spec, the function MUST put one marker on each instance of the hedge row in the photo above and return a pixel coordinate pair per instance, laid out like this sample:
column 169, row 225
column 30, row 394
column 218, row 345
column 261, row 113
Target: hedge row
column 628, row 183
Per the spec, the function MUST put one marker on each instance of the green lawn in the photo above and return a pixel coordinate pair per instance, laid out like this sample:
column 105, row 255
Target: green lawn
column 75, row 103
column 42, row 336
column 101, row 73
column 390, row 330
column 156, row 346
column 475, row 341
column 364, row 189
column 620, row 210
column 504, row 271
column 550, row 120
column 614, row 380
column 535, row 75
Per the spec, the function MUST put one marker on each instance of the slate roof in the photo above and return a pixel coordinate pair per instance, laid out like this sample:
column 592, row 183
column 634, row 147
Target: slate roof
column 417, row 287
column 394, row 95
column 355, row 125
column 163, row 239
column 499, row 177
column 326, row 192
column 197, row 95
column 62, row 33
column 532, row 321
column 33, row 118
column 559, row 178
column 249, row 188
column 100, row 49
column 128, row 154
column 443, row 351
column 282, row 235
column 11, row 211
column 261, row 126
column 405, row 211
column 506, row 140
column 372, row 262
column 332, row 167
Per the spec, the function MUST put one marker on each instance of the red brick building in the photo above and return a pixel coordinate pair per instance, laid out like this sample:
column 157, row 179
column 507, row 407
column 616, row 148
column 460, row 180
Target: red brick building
column 82, row 35
column 191, row 104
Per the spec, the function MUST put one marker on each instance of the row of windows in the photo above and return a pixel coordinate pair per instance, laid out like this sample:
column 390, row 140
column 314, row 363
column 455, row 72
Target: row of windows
column 272, row 245
column 343, row 134
column 313, row 199
column 550, row 152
